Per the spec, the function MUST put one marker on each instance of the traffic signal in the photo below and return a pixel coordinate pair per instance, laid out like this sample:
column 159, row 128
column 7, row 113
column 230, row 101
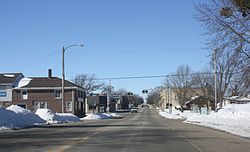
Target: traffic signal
column 144, row 91
column 130, row 93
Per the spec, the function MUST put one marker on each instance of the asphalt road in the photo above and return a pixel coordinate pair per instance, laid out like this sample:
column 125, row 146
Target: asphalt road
column 145, row 131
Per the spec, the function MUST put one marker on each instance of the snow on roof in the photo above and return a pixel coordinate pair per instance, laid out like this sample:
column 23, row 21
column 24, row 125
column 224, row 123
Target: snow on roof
column 195, row 97
column 9, row 75
column 23, row 82
column 232, row 97
column 243, row 99
column 238, row 98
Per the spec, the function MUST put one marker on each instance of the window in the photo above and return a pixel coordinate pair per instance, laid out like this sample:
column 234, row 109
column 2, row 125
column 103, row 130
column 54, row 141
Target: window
column 24, row 94
column 3, row 94
column 57, row 93
column 40, row 105
column 68, row 106
column 43, row 105
column 80, row 94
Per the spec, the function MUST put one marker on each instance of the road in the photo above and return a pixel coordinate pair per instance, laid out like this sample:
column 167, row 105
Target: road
column 145, row 131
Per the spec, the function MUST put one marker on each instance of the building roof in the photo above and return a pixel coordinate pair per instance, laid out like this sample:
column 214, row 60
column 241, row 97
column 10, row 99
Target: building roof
column 9, row 78
column 200, row 100
column 46, row 82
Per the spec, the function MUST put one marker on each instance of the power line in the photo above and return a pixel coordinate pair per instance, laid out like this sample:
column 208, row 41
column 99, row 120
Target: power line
column 150, row 76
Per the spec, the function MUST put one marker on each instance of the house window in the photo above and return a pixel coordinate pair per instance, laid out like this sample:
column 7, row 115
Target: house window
column 24, row 94
column 40, row 105
column 68, row 106
column 3, row 94
column 57, row 93
column 80, row 94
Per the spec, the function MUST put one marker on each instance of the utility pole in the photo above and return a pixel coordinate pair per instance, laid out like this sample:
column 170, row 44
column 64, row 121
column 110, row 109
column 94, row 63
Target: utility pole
column 108, row 96
column 63, row 79
column 215, row 80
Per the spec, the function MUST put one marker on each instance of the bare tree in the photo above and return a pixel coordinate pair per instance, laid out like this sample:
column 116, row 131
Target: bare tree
column 227, row 66
column 233, row 30
column 180, row 82
column 204, row 82
column 88, row 82
column 154, row 96
column 227, row 23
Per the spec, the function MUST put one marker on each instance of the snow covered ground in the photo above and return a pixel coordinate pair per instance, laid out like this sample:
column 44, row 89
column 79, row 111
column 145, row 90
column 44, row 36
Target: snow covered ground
column 15, row 117
column 101, row 116
column 234, row 119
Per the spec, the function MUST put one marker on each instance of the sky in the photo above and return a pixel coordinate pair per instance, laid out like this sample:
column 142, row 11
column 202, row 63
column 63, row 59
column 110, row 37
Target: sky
column 122, row 38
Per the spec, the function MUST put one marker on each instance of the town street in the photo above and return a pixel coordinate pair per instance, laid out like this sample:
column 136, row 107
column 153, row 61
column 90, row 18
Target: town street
column 144, row 131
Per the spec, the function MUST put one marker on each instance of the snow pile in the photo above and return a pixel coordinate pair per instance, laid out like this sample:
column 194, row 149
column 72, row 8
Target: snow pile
column 27, row 115
column 51, row 117
column 113, row 115
column 93, row 116
column 232, row 118
column 15, row 117
column 170, row 116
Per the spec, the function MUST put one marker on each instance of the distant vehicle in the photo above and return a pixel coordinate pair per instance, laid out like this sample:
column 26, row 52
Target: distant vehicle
column 133, row 110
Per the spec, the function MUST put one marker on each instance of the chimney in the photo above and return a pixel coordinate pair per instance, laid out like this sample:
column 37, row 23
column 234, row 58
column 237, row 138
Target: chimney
column 50, row 74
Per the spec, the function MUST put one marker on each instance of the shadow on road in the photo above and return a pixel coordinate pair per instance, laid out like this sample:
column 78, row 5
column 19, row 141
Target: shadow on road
column 80, row 126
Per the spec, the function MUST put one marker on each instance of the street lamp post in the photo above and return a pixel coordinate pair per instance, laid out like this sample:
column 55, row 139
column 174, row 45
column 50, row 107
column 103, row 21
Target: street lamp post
column 63, row 73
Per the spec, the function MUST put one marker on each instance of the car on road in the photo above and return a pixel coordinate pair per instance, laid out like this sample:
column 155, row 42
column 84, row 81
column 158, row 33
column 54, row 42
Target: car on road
column 134, row 110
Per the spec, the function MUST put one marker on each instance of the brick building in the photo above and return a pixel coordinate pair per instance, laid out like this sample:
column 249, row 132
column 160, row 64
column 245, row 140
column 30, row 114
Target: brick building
column 45, row 92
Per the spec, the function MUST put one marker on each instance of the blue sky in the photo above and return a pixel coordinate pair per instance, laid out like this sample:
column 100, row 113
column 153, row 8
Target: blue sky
column 121, row 38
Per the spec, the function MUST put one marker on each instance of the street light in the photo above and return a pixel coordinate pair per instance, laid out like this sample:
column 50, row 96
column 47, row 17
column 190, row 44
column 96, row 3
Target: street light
column 63, row 78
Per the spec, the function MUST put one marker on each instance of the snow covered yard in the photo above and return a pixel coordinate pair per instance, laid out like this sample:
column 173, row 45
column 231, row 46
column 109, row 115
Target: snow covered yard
column 234, row 119
column 15, row 117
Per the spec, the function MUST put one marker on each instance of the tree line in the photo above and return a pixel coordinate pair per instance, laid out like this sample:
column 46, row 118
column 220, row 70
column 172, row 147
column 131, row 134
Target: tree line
column 227, row 26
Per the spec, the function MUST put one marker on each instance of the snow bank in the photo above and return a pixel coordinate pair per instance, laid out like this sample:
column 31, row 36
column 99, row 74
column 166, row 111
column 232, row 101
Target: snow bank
column 170, row 116
column 93, row 116
column 51, row 117
column 232, row 118
column 15, row 117
column 27, row 115
column 101, row 116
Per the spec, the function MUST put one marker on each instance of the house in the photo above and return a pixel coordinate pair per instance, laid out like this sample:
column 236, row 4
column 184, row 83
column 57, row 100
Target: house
column 169, row 96
column 8, row 81
column 45, row 92
column 98, row 103
column 199, row 103
column 92, row 103
column 237, row 100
